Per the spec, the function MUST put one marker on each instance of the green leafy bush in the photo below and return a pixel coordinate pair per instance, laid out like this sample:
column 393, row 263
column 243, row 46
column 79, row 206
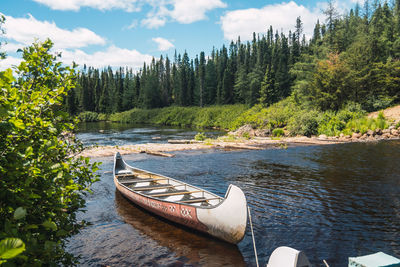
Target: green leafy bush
column 102, row 117
column 88, row 116
column 378, row 102
column 304, row 123
column 334, row 123
column 274, row 116
column 330, row 124
column 43, row 180
column 200, row 137
column 278, row 132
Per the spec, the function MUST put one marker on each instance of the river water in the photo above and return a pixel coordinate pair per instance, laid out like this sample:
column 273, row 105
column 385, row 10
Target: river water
column 332, row 202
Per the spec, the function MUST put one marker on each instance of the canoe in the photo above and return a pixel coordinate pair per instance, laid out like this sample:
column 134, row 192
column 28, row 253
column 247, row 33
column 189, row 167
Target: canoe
column 222, row 217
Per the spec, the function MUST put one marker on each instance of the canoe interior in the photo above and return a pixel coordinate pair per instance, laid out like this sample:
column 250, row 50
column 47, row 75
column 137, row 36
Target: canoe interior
column 163, row 188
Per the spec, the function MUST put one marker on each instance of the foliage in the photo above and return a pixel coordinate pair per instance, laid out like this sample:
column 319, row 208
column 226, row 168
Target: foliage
column 213, row 116
column 246, row 135
column 200, row 136
column 275, row 116
column 333, row 123
column 10, row 248
column 43, row 180
column 278, row 132
column 363, row 124
column 329, row 83
column 304, row 123
column 88, row 116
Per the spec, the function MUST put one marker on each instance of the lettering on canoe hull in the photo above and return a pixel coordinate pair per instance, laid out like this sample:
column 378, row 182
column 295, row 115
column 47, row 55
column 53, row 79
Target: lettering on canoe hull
column 179, row 213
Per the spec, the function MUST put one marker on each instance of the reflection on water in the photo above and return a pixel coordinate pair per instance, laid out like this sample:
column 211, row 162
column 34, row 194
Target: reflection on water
column 191, row 248
column 330, row 201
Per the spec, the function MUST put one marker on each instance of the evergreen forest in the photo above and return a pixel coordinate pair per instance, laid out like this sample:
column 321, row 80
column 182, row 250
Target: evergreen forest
column 353, row 57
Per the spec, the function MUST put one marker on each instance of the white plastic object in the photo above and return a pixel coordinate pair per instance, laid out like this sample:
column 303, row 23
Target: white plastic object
column 288, row 257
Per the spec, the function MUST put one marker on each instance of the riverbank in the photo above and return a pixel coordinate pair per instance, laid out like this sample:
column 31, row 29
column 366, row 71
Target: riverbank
column 280, row 125
column 231, row 143
column 285, row 118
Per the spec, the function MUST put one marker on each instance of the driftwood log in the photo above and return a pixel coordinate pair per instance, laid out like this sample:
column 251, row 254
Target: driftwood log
column 184, row 141
column 157, row 153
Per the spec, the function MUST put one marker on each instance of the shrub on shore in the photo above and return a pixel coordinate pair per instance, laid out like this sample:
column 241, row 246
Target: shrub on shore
column 301, row 120
column 43, row 180
column 88, row 116
column 278, row 132
column 200, row 137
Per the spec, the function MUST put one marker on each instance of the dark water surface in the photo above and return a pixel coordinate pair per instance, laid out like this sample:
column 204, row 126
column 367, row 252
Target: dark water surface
column 330, row 201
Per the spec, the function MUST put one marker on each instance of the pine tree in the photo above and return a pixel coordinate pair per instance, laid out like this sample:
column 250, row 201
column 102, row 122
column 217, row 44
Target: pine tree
column 202, row 76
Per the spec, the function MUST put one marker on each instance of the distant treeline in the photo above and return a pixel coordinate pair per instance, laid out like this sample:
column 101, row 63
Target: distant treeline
column 353, row 57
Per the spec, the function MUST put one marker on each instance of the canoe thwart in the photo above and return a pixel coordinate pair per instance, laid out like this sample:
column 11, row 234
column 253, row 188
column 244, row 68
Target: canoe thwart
column 194, row 200
column 132, row 181
column 177, row 192
column 125, row 175
column 198, row 199
column 152, row 187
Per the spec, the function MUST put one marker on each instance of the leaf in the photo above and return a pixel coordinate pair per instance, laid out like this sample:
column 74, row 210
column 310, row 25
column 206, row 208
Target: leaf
column 49, row 245
column 31, row 226
column 19, row 213
column 55, row 166
column 18, row 123
column 61, row 233
column 3, row 112
column 50, row 225
column 11, row 247
column 28, row 151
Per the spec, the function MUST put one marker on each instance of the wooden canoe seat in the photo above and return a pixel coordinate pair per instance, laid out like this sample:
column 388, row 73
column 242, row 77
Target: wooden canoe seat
column 138, row 180
column 125, row 175
column 152, row 187
column 173, row 193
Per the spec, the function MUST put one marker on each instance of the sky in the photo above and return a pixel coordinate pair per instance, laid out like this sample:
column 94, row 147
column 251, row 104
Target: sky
column 116, row 33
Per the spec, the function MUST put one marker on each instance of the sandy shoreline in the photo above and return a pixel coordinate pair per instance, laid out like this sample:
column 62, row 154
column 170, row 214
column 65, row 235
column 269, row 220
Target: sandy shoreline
column 257, row 143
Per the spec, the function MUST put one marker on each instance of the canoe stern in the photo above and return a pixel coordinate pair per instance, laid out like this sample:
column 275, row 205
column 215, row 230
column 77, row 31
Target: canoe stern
column 228, row 220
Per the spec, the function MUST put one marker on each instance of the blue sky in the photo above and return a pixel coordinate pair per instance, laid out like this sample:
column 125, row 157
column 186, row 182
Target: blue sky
column 129, row 32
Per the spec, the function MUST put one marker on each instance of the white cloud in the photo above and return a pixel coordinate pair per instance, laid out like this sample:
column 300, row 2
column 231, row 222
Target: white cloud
column 163, row 44
column 131, row 26
column 9, row 62
column 21, row 32
column 281, row 16
column 75, row 5
column 113, row 56
column 182, row 11
column 11, row 47
column 26, row 30
column 188, row 11
column 154, row 22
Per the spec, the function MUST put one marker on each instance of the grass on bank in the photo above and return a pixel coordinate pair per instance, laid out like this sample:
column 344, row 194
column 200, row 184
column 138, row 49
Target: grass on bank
column 281, row 117
column 214, row 116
